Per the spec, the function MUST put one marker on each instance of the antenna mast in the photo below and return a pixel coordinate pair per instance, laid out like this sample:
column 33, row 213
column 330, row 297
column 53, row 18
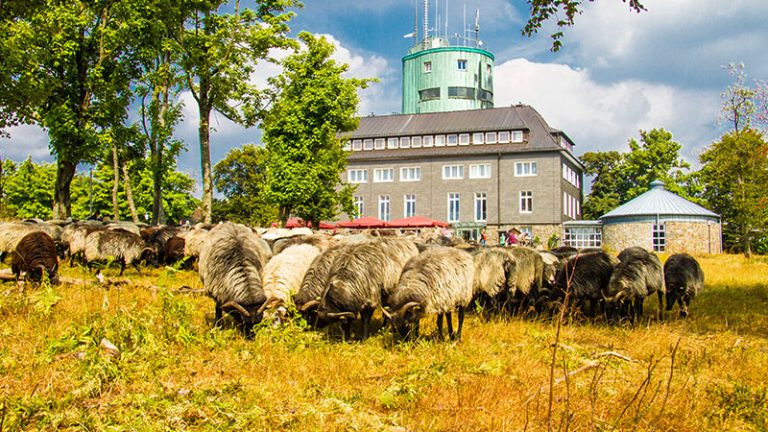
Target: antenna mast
column 426, row 23
column 477, row 28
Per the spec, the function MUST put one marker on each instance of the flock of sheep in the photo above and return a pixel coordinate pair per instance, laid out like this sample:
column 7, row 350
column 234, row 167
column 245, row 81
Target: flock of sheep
column 344, row 278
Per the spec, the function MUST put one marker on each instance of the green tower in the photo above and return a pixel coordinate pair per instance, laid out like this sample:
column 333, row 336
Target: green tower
column 440, row 76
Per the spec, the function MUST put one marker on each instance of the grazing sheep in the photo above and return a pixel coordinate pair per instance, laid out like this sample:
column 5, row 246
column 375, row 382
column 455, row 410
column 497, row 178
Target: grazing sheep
column 174, row 250
column 551, row 264
column 564, row 252
column 584, row 277
column 283, row 274
column 438, row 281
column 231, row 262
column 320, row 241
column 637, row 276
column 193, row 241
column 495, row 272
column 74, row 236
column 12, row 232
column 528, row 277
column 359, row 277
column 122, row 246
column 125, row 225
column 36, row 253
column 314, row 284
column 158, row 237
column 684, row 279
column 632, row 252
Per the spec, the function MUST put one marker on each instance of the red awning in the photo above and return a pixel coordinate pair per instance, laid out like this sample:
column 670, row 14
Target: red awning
column 363, row 222
column 299, row 223
column 416, row 222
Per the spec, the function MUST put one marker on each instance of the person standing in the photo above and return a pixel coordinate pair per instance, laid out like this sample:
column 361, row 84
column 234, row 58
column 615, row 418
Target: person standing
column 483, row 238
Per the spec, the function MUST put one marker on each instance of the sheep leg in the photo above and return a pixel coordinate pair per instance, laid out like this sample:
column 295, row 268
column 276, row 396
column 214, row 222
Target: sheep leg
column 217, row 320
column 461, row 322
column 346, row 324
column 440, row 326
column 365, row 317
column 660, row 295
column 449, row 321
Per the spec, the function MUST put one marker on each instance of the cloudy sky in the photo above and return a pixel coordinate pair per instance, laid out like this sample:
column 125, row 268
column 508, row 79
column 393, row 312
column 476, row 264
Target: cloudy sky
column 618, row 72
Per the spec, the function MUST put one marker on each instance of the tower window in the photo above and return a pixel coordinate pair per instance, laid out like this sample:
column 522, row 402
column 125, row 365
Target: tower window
column 429, row 94
column 461, row 92
column 461, row 64
column 427, row 66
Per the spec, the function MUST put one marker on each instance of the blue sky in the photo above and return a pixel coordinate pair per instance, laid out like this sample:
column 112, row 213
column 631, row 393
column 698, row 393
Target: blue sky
column 618, row 72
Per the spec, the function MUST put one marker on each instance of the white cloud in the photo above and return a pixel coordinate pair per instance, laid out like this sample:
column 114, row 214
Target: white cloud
column 25, row 141
column 602, row 117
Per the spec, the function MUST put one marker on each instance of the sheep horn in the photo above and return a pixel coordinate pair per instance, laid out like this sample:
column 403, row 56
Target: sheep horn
column 386, row 314
column 312, row 304
column 271, row 303
column 340, row 315
column 406, row 307
column 236, row 305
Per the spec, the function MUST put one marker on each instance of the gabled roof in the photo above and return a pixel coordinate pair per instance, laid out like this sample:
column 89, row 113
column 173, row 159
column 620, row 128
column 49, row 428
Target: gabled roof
column 659, row 201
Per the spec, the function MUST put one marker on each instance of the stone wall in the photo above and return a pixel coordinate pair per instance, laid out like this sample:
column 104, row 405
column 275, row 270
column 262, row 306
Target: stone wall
column 694, row 238
column 617, row 237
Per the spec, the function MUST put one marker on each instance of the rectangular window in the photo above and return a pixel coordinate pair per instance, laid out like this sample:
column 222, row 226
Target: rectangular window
column 584, row 237
column 490, row 138
column 526, row 169
column 439, row 140
column 384, row 213
column 488, row 70
column 368, row 144
column 416, row 142
column 357, row 201
column 526, row 202
column 480, row 171
column 461, row 64
column 429, row 94
column 408, row 174
column 464, row 139
column 453, row 207
column 565, row 203
column 383, row 175
column 378, row 144
column 503, row 137
column 357, row 145
column 453, row 139
column 392, row 143
column 409, row 208
column 453, row 172
column 481, row 206
column 427, row 66
column 405, row 142
column 517, row 136
column 659, row 238
column 428, row 141
column 357, row 176
column 478, row 138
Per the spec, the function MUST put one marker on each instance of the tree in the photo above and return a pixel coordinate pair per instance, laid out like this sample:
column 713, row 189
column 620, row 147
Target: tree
column 241, row 178
column 312, row 103
column 218, row 54
column 735, row 177
column 29, row 190
column 68, row 69
column 620, row 177
column 738, row 100
column 564, row 11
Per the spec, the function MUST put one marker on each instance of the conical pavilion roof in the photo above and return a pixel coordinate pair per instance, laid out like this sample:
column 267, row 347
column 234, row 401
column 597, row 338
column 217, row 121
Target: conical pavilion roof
column 659, row 201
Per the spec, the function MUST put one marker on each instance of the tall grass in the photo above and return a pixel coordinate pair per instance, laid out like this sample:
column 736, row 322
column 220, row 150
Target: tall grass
column 174, row 371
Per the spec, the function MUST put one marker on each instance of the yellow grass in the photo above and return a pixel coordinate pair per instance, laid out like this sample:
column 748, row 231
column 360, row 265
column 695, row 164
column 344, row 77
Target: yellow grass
column 174, row 372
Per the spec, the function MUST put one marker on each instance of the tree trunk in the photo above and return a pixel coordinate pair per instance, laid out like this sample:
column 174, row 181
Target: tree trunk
column 157, row 146
column 129, row 194
column 205, row 148
column 62, row 205
column 115, row 184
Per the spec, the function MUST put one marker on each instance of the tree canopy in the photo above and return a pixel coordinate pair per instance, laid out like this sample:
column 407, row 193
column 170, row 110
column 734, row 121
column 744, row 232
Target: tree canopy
column 241, row 178
column 312, row 104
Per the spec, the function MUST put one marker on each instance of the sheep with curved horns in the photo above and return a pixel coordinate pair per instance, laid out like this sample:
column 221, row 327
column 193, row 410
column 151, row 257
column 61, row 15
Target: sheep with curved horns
column 494, row 273
column 314, row 284
column 35, row 254
column 584, row 277
column 118, row 245
column 360, row 276
column 438, row 281
column 231, row 263
column 283, row 274
column 638, row 275
column 684, row 279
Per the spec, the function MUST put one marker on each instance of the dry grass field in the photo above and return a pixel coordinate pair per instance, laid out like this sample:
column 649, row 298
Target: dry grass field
column 175, row 372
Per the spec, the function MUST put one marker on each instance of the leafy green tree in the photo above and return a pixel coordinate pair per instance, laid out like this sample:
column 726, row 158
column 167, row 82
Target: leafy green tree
column 564, row 11
column 620, row 177
column 218, row 53
column 241, row 178
column 312, row 103
column 735, row 177
column 29, row 190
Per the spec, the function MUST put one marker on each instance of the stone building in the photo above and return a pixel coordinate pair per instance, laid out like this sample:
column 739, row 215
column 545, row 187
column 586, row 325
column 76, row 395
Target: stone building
column 661, row 221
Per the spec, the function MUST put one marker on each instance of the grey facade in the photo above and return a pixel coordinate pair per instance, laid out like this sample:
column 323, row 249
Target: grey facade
column 509, row 157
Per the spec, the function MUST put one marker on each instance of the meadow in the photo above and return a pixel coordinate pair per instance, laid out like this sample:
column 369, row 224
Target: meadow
column 169, row 369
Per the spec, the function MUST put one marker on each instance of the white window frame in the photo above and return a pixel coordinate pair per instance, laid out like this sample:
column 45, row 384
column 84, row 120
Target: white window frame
column 480, row 171
column 464, row 139
column 367, row 144
column 461, row 64
column 478, row 138
column 526, row 201
column 454, row 198
column 427, row 67
column 481, row 206
column 409, row 203
column 405, row 142
column 379, row 175
column 393, row 143
column 416, row 142
column 517, row 136
column 439, row 140
column 531, row 166
column 357, row 145
column 452, row 140
column 379, row 143
column 453, row 172
column 357, row 176
column 659, row 237
column 359, row 202
column 427, row 141
column 504, row 137
column 584, row 237
column 385, row 209
column 491, row 138
column 410, row 174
